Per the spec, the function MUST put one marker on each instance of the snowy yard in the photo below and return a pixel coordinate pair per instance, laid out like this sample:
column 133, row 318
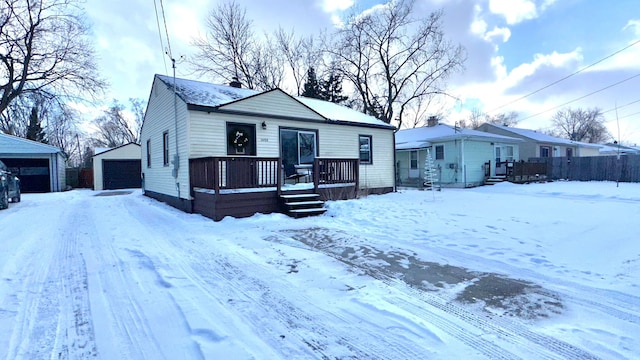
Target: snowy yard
column 510, row 271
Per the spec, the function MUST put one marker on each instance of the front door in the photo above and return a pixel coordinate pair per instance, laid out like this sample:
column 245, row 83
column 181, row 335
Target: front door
column 297, row 147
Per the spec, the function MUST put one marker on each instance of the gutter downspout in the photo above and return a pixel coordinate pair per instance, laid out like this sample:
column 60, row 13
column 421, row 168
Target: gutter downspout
column 176, row 157
column 464, row 166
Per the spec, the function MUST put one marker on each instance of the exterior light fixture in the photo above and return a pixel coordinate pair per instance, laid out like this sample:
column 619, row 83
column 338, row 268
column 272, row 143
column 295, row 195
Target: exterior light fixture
column 264, row 125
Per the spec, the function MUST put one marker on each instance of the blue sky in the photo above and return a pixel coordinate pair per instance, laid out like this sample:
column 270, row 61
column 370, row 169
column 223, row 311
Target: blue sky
column 514, row 48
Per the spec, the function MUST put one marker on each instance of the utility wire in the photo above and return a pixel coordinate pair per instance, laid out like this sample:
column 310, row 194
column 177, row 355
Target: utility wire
column 166, row 30
column 566, row 77
column 620, row 107
column 582, row 97
column 155, row 6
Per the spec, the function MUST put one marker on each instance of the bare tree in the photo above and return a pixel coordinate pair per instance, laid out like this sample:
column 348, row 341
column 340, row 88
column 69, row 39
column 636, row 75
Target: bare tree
column 506, row 119
column 581, row 125
column 63, row 131
column 119, row 126
column 45, row 50
column 393, row 59
column 300, row 54
column 230, row 49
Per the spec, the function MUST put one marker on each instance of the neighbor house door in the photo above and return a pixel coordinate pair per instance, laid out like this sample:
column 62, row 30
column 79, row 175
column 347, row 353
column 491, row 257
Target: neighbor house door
column 414, row 169
column 297, row 147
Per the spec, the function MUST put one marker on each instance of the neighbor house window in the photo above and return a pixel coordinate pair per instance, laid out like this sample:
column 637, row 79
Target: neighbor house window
column 545, row 151
column 365, row 149
column 241, row 139
column 414, row 159
column 165, row 148
column 439, row 152
column 148, row 153
column 569, row 153
column 508, row 153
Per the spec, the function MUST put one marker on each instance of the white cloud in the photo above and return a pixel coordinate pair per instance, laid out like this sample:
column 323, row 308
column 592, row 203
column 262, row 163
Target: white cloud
column 554, row 60
column 332, row 6
column 633, row 25
column 514, row 11
column 498, row 33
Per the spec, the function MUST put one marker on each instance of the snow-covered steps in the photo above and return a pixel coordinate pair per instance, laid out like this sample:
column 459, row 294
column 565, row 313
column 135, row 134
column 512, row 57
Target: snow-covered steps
column 300, row 205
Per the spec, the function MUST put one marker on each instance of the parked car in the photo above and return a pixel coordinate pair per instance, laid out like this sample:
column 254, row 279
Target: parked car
column 9, row 187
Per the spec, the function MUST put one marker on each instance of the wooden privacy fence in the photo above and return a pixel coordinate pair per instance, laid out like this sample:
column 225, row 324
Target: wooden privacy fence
column 593, row 168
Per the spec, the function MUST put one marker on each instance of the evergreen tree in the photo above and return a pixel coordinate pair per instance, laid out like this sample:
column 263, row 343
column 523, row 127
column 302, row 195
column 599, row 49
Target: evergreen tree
column 35, row 132
column 312, row 86
column 331, row 89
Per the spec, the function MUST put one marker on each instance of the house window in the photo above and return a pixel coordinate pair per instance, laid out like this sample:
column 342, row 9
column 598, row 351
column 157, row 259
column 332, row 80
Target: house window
column 508, row 153
column 148, row 153
column 365, row 149
column 165, row 148
column 569, row 153
column 414, row 159
column 439, row 152
column 241, row 139
column 545, row 151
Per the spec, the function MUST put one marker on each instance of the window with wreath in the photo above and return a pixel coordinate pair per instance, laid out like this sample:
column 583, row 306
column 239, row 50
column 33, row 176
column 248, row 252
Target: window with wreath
column 241, row 139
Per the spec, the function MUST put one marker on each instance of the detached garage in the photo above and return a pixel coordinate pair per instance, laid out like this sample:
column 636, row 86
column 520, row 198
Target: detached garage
column 117, row 168
column 40, row 167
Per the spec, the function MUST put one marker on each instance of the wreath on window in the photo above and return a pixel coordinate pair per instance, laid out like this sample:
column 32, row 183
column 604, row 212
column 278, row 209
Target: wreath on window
column 238, row 139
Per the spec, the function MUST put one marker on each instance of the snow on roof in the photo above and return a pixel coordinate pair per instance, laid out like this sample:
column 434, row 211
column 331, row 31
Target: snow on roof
column 410, row 138
column 206, row 94
column 542, row 137
column 211, row 95
column 10, row 144
column 100, row 150
column 338, row 112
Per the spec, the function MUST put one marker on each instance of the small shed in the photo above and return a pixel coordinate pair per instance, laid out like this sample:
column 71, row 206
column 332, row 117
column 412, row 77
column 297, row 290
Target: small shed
column 117, row 168
column 40, row 167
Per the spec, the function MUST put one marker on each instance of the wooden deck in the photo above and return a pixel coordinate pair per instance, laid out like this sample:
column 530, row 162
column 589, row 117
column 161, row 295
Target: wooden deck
column 244, row 186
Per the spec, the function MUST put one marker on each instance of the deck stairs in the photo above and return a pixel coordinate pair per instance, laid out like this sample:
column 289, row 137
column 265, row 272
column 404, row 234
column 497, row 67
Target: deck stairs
column 495, row 179
column 302, row 205
column 430, row 174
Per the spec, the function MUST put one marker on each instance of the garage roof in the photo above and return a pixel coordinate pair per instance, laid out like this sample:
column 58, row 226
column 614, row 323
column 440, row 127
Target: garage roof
column 10, row 144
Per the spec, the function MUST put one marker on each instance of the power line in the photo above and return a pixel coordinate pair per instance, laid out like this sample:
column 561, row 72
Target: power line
column 582, row 97
column 155, row 6
column 166, row 30
column 620, row 107
column 566, row 77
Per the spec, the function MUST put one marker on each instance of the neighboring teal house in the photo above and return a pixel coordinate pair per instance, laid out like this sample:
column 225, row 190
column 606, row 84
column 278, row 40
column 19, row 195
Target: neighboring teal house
column 462, row 157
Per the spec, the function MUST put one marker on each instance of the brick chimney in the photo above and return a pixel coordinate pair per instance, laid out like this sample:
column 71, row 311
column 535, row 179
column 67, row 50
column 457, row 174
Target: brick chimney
column 432, row 121
column 235, row 83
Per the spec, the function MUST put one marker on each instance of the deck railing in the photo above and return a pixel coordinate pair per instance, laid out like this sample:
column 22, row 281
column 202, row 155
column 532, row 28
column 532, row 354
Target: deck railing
column 335, row 171
column 234, row 172
column 226, row 173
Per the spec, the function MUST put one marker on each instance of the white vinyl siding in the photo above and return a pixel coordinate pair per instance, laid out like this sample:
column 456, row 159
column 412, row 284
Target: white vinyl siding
column 158, row 119
column 208, row 136
column 273, row 103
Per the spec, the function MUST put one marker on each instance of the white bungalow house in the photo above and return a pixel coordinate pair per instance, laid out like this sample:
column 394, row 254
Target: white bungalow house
column 540, row 145
column 226, row 151
column 462, row 157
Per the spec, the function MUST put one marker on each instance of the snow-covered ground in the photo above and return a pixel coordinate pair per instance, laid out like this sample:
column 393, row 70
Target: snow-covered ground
column 509, row 271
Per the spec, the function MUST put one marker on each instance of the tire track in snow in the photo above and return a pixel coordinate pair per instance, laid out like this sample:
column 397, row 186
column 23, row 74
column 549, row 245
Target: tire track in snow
column 504, row 329
column 135, row 306
column 54, row 319
column 294, row 331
